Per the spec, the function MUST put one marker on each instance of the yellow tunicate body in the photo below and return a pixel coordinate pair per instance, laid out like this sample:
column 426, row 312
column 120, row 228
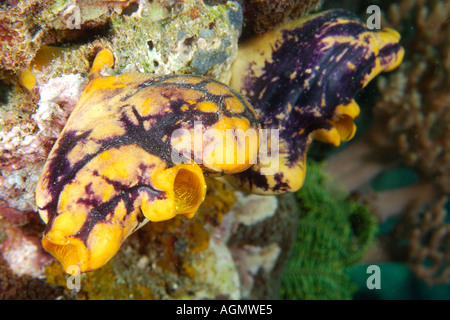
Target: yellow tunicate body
column 112, row 169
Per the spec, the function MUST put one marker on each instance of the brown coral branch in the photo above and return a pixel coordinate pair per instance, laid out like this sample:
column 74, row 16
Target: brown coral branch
column 355, row 165
column 429, row 243
column 264, row 15
column 387, row 204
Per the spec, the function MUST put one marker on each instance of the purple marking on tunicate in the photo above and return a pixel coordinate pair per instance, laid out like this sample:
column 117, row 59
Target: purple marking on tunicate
column 325, row 77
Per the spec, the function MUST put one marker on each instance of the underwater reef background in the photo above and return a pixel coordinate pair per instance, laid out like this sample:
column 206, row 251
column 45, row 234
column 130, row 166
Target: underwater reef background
column 381, row 199
column 403, row 160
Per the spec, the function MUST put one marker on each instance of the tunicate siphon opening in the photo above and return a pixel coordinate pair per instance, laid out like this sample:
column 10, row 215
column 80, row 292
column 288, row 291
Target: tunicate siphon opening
column 345, row 127
column 66, row 254
column 188, row 191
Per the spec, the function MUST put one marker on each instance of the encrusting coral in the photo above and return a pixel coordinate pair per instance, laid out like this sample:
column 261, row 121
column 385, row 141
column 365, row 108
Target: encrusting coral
column 25, row 287
column 28, row 25
column 264, row 15
column 22, row 259
column 20, row 242
column 189, row 37
column 19, row 43
column 259, row 250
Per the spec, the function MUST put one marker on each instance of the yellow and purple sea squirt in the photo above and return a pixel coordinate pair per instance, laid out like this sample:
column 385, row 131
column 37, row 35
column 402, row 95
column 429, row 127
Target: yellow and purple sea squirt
column 112, row 169
column 301, row 79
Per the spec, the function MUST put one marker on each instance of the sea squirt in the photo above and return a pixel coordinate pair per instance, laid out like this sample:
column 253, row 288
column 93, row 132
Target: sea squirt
column 301, row 79
column 112, row 169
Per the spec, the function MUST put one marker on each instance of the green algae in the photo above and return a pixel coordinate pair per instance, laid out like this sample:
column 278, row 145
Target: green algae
column 334, row 233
